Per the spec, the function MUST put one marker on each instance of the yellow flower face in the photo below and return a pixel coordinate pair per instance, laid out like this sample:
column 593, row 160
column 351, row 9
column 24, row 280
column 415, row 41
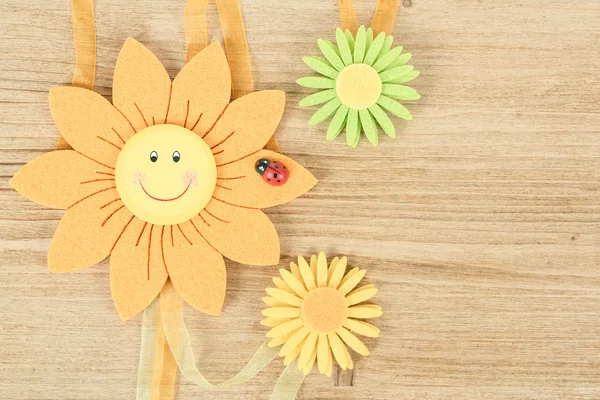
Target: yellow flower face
column 165, row 174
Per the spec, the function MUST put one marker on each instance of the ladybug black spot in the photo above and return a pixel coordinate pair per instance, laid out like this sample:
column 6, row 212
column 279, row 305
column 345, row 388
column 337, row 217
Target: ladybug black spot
column 274, row 175
column 278, row 180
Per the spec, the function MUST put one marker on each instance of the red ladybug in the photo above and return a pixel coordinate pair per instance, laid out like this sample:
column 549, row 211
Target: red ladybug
column 272, row 172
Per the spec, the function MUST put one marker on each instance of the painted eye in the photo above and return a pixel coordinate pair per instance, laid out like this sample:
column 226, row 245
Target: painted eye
column 176, row 156
column 153, row 156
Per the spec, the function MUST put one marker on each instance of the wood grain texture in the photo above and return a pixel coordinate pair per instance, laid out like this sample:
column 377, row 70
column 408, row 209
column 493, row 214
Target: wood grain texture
column 480, row 223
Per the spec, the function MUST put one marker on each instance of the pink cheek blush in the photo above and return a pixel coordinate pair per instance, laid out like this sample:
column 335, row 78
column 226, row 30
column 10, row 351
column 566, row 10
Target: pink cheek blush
column 139, row 178
column 190, row 177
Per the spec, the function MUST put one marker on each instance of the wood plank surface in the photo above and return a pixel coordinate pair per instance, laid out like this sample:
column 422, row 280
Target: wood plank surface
column 480, row 222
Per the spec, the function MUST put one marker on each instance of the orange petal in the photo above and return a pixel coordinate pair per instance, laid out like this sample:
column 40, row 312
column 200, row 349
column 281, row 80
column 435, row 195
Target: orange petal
column 88, row 231
column 243, row 235
column 201, row 90
column 239, row 183
column 137, row 270
column 89, row 123
column 246, row 126
column 60, row 178
column 141, row 86
column 196, row 269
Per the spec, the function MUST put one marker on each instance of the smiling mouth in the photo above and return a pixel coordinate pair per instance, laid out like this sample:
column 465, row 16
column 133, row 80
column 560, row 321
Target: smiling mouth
column 159, row 199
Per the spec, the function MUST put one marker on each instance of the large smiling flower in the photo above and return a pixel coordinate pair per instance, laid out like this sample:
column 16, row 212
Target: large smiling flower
column 165, row 181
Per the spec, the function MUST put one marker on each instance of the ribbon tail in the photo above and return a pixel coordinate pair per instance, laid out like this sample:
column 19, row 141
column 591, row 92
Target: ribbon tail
column 289, row 383
column 180, row 343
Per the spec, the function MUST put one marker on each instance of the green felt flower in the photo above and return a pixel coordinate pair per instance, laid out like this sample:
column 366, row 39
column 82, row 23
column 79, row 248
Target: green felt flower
column 361, row 78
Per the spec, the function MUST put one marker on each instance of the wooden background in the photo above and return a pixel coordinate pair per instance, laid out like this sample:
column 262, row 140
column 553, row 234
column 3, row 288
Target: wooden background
column 480, row 223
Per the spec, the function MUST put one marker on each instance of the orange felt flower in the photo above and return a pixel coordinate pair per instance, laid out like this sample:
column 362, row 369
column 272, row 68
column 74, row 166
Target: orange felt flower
column 164, row 179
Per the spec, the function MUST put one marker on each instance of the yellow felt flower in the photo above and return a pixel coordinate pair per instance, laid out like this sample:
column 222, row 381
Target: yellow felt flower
column 314, row 310
column 164, row 180
column 359, row 80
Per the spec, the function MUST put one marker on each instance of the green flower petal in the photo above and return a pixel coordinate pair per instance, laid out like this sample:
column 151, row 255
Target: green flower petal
column 399, row 92
column 331, row 54
column 394, row 107
column 406, row 78
column 318, row 98
column 325, row 112
column 369, row 38
column 395, row 73
column 374, row 49
column 387, row 45
column 383, row 120
column 350, row 40
column 352, row 128
column 387, row 59
column 360, row 45
column 337, row 123
column 343, row 46
column 400, row 61
column 321, row 66
column 316, row 82
column 369, row 126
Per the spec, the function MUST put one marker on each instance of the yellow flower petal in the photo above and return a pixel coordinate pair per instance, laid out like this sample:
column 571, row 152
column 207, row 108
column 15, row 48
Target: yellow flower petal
column 296, row 285
column 293, row 354
column 270, row 301
column 313, row 265
column 285, row 328
column 329, row 368
column 360, row 295
column 296, row 272
column 294, row 342
column 281, row 312
column 338, row 273
column 270, row 321
column 331, row 268
column 322, row 270
column 323, row 352
column 351, row 280
column 285, row 297
column 307, row 275
column 310, row 345
column 280, row 283
column 362, row 328
column 337, row 347
column 58, row 179
column 352, row 341
column 141, row 86
column 348, row 358
column 279, row 340
column 364, row 311
column 311, row 362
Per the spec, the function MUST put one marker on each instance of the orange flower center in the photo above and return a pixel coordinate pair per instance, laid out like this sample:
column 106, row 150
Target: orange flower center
column 324, row 310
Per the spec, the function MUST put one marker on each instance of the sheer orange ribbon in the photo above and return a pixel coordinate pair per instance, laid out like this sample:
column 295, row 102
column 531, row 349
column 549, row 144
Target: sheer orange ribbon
column 383, row 20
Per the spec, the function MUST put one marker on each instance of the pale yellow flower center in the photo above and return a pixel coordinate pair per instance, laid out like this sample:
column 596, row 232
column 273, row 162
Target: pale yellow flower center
column 324, row 310
column 358, row 86
column 165, row 174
